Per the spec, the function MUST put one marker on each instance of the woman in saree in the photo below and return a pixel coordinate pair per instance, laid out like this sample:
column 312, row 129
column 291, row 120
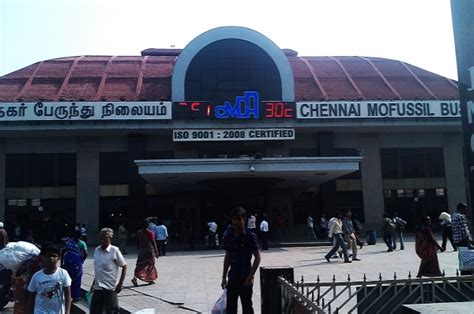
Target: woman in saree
column 145, row 269
column 73, row 256
column 426, row 248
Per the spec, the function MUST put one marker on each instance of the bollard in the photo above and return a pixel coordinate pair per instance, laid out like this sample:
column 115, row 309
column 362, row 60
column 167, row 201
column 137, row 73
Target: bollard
column 269, row 288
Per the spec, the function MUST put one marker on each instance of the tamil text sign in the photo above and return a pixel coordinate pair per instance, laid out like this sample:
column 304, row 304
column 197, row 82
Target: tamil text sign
column 83, row 111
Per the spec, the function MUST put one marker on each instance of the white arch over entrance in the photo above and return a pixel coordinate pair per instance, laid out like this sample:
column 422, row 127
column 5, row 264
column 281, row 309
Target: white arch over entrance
column 232, row 32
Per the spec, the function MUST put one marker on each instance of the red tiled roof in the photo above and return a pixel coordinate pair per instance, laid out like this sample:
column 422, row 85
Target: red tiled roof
column 148, row 77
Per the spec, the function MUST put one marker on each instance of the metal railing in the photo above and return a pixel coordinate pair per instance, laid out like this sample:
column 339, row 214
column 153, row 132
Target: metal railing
column 376, row 296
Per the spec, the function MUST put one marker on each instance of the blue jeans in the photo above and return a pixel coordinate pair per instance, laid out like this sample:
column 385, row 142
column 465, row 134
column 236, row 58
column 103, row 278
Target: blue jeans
column 338, row 242
column 398, row 234
column 388, row 238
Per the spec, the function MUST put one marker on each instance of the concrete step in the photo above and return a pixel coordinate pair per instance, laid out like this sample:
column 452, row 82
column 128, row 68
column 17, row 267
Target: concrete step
column 80, row 307
column 302, row 243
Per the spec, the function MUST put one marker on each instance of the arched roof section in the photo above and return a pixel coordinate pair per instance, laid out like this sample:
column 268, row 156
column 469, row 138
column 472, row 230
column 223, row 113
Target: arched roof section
column 232, row 32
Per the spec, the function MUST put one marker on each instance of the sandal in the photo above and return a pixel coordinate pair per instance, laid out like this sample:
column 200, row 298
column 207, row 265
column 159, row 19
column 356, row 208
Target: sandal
column 134, row 281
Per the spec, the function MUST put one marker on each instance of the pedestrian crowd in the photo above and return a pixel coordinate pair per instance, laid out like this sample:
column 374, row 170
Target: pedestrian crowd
column 53, row 278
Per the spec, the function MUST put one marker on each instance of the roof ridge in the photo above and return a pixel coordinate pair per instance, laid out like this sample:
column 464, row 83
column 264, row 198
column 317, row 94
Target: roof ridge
column 315, row 77
column 349, row 78
column 28, row 82
column 139, row 84
column 68, row 76
column 384, row 79
column 103, row 78
column 418, row 80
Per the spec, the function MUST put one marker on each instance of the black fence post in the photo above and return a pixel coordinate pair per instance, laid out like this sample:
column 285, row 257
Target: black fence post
column 270, row 289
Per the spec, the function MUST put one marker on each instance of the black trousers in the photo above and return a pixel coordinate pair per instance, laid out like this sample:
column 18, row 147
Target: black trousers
column 236, row 290
column 104, row 300
column 338, row 243
column 448, row 234
column 388, row 238
column 264, row 239
column 161, row 246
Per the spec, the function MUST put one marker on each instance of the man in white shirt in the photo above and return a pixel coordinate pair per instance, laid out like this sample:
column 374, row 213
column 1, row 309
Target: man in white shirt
column 445, row 222
column 335, row 231
column 310, row 224
column 107, row 261
column 252, row 224
column 211, row 235
column 264, row 232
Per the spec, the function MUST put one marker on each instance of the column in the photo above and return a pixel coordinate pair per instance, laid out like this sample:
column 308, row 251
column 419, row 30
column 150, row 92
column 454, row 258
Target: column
column 136, row 184
column 87, row 186
column 327, row 190
column 3, row 174
column 454, row 170
column 372, row 188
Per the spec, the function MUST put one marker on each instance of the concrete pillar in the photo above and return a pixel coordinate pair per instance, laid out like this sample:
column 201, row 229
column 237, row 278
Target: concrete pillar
column 371, row 172
column 136, row 184
column 327, row 190
column 3, row 174
column 87, row 186
column 454, row 170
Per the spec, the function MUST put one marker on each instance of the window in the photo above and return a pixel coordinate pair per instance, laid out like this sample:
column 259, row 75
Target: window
column 389, row 160
column 409, row 193
column 427, row 162
column 387, row 193
column 439, row 192
column 400, row 193
column 413, row 162
column 435, row 163
column 114, row 168
column 420, row 193
column 36, row 170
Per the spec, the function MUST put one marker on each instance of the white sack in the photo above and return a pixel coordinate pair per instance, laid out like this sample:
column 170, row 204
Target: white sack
column 16, row 253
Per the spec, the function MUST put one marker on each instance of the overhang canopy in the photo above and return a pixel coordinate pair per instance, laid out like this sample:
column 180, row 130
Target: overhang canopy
column 207, row 174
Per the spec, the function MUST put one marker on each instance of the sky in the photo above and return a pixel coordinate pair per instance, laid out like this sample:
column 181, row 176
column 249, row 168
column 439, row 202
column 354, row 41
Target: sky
column 418, row 32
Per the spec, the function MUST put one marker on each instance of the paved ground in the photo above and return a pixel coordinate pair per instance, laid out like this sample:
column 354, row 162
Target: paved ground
column 190, row 281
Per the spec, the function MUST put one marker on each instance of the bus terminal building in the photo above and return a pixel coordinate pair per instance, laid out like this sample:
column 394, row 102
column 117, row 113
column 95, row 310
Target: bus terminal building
column 231, row 119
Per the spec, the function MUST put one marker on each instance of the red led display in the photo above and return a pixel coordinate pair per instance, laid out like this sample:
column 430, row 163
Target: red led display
column 207, row 110
column 278, row 110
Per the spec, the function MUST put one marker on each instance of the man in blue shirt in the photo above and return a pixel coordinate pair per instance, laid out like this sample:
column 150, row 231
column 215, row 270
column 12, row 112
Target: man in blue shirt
column 460, row 226
column 240, row 244
column 461, row 233
column 161, row 238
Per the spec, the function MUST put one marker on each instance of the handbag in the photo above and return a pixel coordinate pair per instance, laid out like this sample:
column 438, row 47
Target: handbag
column 221, row 304
column 466, row 258
column 88, row 296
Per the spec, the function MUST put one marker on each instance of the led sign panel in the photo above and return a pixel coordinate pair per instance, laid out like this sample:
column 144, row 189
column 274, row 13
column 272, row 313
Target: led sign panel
column 244, row 107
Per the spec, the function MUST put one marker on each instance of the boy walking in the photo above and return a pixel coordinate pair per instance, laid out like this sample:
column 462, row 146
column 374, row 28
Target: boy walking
column 240, row 244
column 50, row 288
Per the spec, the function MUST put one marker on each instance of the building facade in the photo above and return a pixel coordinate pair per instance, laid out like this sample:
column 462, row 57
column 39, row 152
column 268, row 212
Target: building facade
column 231, row 119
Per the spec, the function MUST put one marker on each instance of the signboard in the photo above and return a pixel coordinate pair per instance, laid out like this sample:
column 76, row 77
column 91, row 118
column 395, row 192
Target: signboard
column 378, row 109
column 84, row 111
column 245, row 107
column 194, row 135
column 463, row 17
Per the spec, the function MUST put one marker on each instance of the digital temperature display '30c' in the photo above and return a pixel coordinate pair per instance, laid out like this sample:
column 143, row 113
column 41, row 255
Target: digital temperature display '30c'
column 246, row 107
